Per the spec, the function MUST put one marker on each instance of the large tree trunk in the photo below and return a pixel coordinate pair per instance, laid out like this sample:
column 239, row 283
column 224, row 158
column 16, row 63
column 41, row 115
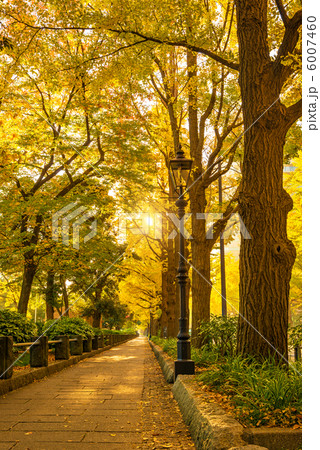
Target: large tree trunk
column 163, row 321
column 30, row 267
column 64, row 295
column 98, row 293
column 200, row 286
column 29, row 272
column 200, row 249
column 49, row 311
column 176, row 286
column 50, row 295
column 96, row 319
column 267, row 258
column 173, row 299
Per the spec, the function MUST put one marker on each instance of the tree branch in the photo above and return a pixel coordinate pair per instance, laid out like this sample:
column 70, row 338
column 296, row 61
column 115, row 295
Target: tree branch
column 288, row 44
column 293, row 113
column 21, row 190
column 194, row 48
column 220, row 224
column 204, row 117
column 282, row 11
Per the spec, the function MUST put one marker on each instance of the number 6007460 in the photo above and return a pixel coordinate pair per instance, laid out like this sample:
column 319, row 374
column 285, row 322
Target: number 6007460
column 311, row 44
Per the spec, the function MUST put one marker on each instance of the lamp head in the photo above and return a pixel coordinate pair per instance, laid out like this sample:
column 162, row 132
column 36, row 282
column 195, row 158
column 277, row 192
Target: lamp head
column 180, row 169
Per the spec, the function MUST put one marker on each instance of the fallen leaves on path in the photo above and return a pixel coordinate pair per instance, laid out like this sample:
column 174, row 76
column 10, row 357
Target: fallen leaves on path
column 162, row 424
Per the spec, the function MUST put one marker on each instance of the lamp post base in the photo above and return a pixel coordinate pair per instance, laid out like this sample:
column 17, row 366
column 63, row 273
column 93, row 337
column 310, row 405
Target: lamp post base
column 183, row 367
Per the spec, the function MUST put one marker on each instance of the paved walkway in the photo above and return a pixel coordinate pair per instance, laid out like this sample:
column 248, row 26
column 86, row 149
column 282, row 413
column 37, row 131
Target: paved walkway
column 117, row 400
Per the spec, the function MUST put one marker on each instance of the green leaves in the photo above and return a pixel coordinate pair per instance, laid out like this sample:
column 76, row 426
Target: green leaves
column 295, row 336
column 68, row 326
column 220, row 334
column 16, row 325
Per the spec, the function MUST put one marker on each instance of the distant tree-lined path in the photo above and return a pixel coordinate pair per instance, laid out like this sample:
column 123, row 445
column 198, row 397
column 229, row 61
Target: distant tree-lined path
column 118, row 400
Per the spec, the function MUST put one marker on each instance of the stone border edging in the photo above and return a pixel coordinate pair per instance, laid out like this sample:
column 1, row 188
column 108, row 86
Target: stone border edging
column 20, row 380
column 166, row 363
column 211, row 427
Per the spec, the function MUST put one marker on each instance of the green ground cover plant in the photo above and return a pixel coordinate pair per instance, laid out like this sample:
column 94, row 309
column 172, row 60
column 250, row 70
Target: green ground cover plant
column 261, row 393
column 23, row 361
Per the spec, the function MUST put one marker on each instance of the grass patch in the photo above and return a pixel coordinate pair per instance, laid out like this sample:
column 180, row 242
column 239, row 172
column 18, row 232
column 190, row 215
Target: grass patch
column 23, row 361
column 168, row 345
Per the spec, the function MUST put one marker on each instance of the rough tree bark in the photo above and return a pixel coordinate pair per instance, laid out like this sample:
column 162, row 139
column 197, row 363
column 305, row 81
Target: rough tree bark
column 50, row 295
column 200, row 258
column 30, row 265
column 29, row 271
column 267, row 258
column 96, row 315
column 163, row 321
column 169, row 319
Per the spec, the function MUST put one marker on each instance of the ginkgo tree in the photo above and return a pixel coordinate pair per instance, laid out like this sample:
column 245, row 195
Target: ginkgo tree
column 58, row 124
column 140, row 288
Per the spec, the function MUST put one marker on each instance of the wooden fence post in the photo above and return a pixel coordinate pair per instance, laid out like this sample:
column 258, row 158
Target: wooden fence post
column 6, row 357
column 62, row 349
column 76, row 347
column 87, row 344
column 39, row 352
column 100, row 341
column 95, row 343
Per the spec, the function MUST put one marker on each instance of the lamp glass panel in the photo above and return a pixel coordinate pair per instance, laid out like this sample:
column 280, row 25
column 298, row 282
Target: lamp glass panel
column 180, row 171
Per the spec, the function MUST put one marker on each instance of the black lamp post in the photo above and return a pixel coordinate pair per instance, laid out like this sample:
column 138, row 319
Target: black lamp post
column 180, row 169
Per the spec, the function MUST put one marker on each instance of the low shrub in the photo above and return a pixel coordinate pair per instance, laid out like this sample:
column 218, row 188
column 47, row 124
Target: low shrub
column 220, row 334
column 68, row 326
column 98, row 331
column 16, row 325
column 40, row 326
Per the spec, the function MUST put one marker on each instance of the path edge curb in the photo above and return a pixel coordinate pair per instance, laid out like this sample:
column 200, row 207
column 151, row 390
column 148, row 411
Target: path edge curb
column 24, row 379
column 166, row 363
column 211, row 428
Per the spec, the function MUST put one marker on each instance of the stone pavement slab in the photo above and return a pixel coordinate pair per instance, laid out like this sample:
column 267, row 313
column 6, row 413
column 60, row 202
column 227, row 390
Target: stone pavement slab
column 117, row 399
